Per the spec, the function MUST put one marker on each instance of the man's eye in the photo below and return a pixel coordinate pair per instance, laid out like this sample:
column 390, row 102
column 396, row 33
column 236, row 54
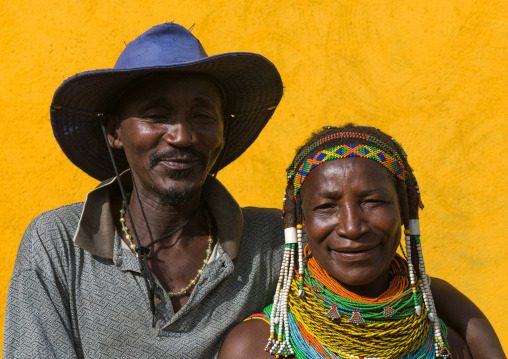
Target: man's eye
column 155, row 116
column 204, row 116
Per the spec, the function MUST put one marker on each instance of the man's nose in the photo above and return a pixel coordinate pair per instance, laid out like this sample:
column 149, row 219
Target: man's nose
column 351, row 222
column 179, row 133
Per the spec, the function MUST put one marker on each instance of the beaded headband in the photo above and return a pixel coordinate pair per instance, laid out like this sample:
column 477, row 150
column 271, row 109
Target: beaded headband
column 347, row 134
column 350, row 150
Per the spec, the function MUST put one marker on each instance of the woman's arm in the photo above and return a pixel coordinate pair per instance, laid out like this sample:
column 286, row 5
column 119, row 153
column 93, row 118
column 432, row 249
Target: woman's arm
column 458, row 346
column 247, row 341
column 461, row 314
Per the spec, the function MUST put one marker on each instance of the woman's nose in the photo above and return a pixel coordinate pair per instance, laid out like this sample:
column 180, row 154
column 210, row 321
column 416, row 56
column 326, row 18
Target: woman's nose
column 351, row 223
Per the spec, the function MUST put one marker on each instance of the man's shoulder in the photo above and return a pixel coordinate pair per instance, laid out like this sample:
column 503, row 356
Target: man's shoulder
column 58, row 223
column 48, row 237
column 268, row 216
column 263, row 222
column 65, row 215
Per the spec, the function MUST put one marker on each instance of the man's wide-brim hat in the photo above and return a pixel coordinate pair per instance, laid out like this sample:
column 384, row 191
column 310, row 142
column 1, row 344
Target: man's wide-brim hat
column 252, row 86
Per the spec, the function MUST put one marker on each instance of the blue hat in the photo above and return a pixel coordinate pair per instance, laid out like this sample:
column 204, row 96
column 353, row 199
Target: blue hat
column 251, row 83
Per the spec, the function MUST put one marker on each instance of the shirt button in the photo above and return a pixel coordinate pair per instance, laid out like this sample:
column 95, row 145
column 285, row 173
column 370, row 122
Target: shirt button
column 156, row 299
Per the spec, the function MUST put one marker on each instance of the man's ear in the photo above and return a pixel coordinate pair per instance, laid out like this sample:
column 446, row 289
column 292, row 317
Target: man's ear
column 113, row 130
column 303, row 225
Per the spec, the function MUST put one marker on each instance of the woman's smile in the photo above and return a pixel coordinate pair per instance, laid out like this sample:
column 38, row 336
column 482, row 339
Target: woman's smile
column 352, row 220
column 357, row 253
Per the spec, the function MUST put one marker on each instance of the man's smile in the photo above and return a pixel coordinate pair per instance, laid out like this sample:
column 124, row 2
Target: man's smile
column 180, row 163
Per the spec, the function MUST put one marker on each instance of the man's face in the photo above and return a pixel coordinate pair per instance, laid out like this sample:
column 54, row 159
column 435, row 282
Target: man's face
column 171, row 129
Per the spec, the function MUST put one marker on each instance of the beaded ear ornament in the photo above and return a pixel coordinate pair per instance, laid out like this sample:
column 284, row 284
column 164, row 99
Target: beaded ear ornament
column 279, row 343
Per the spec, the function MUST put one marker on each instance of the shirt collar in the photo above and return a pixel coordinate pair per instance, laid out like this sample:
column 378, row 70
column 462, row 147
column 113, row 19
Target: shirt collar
column 96, row 230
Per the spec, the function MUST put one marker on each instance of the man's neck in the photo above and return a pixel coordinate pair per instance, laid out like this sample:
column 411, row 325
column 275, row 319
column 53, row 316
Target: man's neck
column 154, row 218
column 175, row 260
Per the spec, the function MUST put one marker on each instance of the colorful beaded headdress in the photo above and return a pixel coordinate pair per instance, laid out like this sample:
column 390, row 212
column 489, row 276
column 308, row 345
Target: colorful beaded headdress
column 348, row 150
column 330, row 144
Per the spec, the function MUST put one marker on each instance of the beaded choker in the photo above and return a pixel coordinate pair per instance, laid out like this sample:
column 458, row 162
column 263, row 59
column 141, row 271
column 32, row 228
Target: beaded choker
column 329, row 321
column 208, row 251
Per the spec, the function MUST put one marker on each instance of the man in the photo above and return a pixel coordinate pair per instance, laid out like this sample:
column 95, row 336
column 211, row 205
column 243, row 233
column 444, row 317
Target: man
column 160, row 260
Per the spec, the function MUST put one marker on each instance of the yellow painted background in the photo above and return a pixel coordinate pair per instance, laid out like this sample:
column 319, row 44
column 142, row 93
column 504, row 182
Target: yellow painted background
column 432, row 73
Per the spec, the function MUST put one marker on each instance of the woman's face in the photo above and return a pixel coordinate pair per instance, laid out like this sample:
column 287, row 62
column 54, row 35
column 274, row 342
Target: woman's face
column 352, row 221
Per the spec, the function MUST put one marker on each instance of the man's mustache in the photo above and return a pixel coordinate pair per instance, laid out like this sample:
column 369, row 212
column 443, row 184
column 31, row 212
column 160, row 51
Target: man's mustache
column 187, row 153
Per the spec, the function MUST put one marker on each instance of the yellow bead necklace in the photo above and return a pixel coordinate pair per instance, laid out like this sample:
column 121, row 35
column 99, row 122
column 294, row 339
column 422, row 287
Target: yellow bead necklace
column 208, row 251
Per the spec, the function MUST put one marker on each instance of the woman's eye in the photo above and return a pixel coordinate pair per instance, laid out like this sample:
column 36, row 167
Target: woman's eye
column 372, row 202
column 324, row 207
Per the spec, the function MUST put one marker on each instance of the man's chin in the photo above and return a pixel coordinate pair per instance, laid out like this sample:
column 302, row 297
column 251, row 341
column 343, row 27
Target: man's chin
column 179, row 174
column 179, row 187
column 177, row 195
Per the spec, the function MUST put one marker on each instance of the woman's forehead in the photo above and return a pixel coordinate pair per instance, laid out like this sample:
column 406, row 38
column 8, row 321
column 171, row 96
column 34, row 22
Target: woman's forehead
column 352, row 173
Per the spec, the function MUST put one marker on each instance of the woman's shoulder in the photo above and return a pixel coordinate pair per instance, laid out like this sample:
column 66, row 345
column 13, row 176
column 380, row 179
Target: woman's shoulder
column 247, row 340
column 466, row 322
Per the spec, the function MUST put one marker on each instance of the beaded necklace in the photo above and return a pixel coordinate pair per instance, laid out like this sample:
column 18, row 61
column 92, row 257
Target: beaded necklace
column 208, row 251
column 329, row 321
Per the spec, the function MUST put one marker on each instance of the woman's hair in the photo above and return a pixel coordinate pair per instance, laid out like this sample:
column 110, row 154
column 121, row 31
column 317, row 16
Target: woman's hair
column 350, row 134
column 407, row 189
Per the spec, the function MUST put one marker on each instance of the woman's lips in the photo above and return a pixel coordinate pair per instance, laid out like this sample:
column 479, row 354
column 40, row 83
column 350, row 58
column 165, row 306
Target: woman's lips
column 354, row 254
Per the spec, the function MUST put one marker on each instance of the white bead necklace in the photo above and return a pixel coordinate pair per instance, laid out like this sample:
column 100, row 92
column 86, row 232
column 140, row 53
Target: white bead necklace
column 208, row 251
column 125, row 230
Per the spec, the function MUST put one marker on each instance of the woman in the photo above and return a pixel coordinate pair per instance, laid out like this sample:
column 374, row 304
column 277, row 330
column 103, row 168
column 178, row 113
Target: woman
column 350, row 294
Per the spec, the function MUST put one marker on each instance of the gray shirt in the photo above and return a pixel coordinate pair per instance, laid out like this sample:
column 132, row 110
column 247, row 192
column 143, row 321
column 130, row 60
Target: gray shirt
column 77, row 291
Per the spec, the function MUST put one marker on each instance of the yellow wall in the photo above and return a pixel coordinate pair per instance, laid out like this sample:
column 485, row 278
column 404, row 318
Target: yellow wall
column 431, row 73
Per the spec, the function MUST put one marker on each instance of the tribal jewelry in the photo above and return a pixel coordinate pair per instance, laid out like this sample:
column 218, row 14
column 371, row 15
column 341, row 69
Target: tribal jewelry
column 279, row 310
column 347, row 134
column 414, row 301
column 125, row 230
column 208, row 251
column 391, row 163
column 324, row 324
column 385, row 323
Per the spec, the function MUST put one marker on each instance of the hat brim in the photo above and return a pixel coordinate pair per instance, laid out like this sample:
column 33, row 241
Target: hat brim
column 252, row 86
